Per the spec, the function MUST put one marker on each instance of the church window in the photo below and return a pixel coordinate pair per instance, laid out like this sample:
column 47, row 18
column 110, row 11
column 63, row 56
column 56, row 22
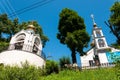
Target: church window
column 37, row 41
column 19, row 45
column 36, row 45
column 98, row 34
column 101, row 43
column 20, row 37
column 19, row 41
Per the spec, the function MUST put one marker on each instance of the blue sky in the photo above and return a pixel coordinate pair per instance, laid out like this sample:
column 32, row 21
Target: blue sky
column 48, row 17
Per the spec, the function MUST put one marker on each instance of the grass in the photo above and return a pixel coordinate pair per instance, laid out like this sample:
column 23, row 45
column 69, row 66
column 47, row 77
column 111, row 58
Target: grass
column 31, row 73
column 97, row 74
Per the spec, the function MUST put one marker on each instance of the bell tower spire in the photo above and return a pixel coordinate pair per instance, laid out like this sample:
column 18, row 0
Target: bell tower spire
column 94, row 23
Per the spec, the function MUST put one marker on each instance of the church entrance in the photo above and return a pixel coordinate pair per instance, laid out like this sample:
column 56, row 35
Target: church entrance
column 96, row 59
column 91, row 63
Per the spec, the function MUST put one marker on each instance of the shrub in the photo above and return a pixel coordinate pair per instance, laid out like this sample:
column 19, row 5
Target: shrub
column 26, row 72
column 63, row 61
column 51, row 67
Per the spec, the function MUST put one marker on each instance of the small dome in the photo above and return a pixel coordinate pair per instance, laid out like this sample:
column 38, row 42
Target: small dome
column 94, row 25
column 31, row 27
column 92, row 44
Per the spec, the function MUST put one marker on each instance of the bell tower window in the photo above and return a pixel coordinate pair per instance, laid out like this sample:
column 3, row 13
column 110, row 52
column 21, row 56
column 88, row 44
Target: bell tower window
column 101, row 43
column 98, row 34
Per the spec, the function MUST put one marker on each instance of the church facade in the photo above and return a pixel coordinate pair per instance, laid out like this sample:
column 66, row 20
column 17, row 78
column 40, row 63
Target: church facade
column 24, row 46
column 100, row 53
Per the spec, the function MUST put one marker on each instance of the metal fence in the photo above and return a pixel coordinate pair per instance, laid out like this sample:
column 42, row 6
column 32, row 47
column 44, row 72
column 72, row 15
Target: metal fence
column 41, row 53
column 103, row 65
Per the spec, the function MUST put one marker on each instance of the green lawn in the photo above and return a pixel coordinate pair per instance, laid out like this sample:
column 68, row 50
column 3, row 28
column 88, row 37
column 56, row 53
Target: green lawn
column 32, row 73
column 97, row 74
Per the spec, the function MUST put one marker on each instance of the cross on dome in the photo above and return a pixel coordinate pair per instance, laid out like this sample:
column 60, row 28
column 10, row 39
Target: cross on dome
column 94, row 23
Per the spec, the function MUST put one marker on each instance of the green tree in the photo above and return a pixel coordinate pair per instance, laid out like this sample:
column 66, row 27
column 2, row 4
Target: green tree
column 115, row 45
column 3, row 46
column 114, row 20
column 8, row 26
column 4, row 22
column 72, row 32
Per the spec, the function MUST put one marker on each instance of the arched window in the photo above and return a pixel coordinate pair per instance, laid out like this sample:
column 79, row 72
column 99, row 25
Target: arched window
column 36, row 45
column 101, row 43
column 98, row 34
column 37, row 41
column 20, row 41
column 20, row 37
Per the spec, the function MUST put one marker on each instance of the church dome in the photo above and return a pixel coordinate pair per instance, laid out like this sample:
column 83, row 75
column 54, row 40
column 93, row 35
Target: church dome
column 92, row 44
column 31, row 26
column 31, row 29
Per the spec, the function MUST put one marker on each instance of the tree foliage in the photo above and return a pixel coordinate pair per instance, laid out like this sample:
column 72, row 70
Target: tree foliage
column 3, row 46
column 64, row 60
column 72, row 32
column 10, row 27
column 115, row 45
column 114, row 20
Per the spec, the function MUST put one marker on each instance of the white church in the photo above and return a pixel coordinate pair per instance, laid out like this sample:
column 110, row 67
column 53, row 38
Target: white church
column 24, row 46
column 100, row 53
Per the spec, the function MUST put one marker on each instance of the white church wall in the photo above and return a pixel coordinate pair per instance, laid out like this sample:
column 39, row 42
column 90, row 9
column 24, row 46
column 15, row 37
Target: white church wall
column 86, row 58
column 101, row 33
column 102, row 58
column 16, row 57
column 94, row 34
column 96, row 43
column 28, row 41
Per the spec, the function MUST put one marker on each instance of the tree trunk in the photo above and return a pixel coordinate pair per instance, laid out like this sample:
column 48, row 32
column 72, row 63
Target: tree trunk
column 73, row 57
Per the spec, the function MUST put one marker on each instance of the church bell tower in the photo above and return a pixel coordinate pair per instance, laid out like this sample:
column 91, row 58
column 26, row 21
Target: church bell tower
column 98, row 38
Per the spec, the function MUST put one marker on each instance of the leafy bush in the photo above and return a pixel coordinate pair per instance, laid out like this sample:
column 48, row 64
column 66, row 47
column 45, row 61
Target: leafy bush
column 115, row 45
column 26, row 72
column 51, row 67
